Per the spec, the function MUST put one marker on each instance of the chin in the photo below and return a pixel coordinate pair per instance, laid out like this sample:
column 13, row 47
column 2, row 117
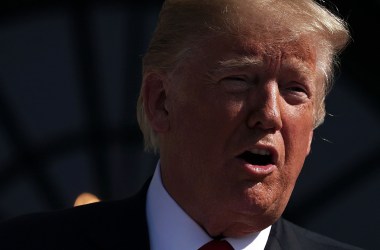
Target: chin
column 261, row 217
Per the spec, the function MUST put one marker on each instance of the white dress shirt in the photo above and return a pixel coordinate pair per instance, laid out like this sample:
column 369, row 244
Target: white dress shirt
column 170, row 228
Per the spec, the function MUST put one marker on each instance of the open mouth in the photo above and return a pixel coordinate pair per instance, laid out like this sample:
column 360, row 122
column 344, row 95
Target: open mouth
column 257, row 157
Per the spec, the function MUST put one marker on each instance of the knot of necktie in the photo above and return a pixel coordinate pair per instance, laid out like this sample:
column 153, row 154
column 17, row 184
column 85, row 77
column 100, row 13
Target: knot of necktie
column 216, row 245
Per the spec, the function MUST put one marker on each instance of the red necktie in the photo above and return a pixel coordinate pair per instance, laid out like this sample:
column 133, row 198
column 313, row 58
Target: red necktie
column 216, row 245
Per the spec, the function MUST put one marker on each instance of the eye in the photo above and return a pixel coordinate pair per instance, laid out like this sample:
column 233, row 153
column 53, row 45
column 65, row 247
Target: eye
column 296, row 89
column 296, row 92
column 235, row 84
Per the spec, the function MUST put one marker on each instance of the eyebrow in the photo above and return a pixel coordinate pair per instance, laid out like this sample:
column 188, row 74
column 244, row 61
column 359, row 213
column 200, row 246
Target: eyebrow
column 292, row 63
column 241, row 62
column 237, row 63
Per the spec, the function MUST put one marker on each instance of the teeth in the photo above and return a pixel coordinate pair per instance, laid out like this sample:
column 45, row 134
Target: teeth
column 260, row 152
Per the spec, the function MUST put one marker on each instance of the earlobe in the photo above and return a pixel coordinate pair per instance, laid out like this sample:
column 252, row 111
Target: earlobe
column 154, row 101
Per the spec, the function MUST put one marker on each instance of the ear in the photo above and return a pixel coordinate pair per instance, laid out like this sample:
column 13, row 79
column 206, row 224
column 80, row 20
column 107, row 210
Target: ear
column 154, row 100
column 310, row 140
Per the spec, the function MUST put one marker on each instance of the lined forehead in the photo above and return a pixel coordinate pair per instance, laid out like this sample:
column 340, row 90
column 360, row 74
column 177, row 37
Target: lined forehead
column 299, row 55
column 290, row 63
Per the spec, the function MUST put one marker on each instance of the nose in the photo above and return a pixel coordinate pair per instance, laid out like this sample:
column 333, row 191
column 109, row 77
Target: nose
column 265, row 108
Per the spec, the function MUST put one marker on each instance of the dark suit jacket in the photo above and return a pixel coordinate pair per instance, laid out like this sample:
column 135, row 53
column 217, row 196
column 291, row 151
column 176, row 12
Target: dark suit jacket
column 122, row 225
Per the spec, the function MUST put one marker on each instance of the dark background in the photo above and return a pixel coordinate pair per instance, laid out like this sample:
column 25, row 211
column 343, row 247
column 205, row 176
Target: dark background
column 69, row 81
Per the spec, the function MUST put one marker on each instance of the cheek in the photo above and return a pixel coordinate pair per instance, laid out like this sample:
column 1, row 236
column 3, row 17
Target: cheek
column 297, row 134
column 209, row 110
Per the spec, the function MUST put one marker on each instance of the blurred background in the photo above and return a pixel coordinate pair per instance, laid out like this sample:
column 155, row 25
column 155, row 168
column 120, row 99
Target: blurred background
column 70, row 74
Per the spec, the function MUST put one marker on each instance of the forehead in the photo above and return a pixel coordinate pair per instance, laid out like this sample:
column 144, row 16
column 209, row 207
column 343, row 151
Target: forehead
column 230, row 52
column 301, row 49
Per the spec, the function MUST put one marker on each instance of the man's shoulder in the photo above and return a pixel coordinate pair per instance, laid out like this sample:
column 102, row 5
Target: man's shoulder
column 97, row 212
column 101, row 223
column 287, row 235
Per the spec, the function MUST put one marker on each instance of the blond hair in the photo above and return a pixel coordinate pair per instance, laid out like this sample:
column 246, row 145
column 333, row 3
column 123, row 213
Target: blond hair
column 183, row 24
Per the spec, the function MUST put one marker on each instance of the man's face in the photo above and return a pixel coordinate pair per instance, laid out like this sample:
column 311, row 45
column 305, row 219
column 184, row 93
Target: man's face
column 240, row 124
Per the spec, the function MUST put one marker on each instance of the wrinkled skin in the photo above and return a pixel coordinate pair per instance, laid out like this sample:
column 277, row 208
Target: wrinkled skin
column 226, row 98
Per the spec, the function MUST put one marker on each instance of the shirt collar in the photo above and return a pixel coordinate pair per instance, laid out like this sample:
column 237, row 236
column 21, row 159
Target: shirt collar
column 170, row 228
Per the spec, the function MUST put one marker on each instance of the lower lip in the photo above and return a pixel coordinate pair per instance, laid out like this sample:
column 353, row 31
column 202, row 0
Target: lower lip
column 259, row 170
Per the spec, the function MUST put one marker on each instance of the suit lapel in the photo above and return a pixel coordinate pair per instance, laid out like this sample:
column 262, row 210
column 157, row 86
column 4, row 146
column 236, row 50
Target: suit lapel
column 273, row 240
column 283, row 236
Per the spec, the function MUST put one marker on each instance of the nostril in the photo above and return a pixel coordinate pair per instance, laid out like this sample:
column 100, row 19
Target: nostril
column 268, row 120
